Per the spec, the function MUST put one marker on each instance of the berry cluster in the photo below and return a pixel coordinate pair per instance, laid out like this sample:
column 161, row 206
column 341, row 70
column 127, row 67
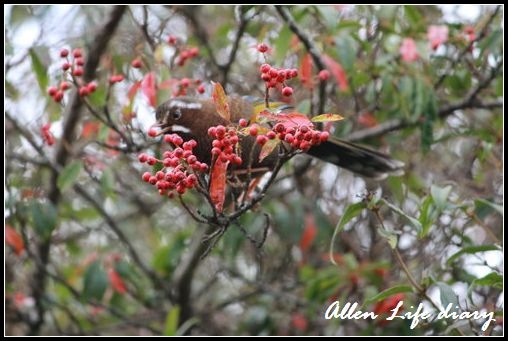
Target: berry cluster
column 273, row 76
column 179, row 167
column 86, row 90
column 185, row 54
column 300, row 137
column 185, row 83
column 116, row 78
column 224, row 144
column 57, row 93
column 76, row 64
column 48, row 138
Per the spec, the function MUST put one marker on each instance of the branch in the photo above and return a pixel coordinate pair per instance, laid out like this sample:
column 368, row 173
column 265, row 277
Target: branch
column 311, row 48
column 470, row 101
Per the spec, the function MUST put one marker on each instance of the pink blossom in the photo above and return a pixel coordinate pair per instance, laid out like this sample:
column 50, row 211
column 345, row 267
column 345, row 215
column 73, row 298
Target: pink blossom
column 437, row 35
column 408, row 50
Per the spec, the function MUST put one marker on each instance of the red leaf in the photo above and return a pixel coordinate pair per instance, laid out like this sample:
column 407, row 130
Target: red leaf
column 289, row 120
column 299, row 322
column 14, row 240
column 148, row 86
column 132, row 91
column 385, row 306
column 367, row 119
column 306, row 71
column 218, row 184
column 90, row 129
column 117, row 282
column 337, row 71
column 309, row 233
column 221, row 101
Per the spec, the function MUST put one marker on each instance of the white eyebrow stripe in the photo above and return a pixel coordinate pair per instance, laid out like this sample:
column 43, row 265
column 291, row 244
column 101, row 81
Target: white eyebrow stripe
column 185, row 105
column 181, row 129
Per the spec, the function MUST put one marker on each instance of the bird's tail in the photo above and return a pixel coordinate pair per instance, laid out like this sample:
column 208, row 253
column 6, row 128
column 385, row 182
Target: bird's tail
column 358, row 159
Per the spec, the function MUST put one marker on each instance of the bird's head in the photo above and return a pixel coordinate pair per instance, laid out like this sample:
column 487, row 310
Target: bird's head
column 180, row 115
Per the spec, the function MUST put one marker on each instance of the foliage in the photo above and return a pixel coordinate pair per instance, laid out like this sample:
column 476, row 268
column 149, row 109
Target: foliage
column 92, row 251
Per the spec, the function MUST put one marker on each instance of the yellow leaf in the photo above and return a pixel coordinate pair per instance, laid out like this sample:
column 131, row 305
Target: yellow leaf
column 327, row 118
column 221, row 101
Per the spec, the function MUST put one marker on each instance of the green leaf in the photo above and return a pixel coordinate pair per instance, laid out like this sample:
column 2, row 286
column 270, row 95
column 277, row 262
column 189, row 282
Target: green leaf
column 95, row 282
column 346, row 51
column 491, row 280
column 107, row 181
column 281, row 44
column 40, row 71
column 351, row 212
column 390, row 236
column 68, row 175
column 484, row 207
column 44, row 218
column 440, row 196
column 413, row 14
column 447, row 295
column 171, row 325
column 492, row 42
column 387, row 293
column 427, row 216
column 472, row 250
column 397, row 210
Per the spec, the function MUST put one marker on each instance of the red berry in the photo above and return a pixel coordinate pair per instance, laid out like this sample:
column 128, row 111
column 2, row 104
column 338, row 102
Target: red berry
column 159, row 175
column 324, row 136
column 78, row 72
column 203, row 167
column 289, row 138
column 304, row 145
column 191, row 159
column 146, row 176
column 171, row 40
column 271, row 135
column 234, row 139
column 266, row 77
column 273, row 72
column 92, row 86
column 168, row 138
column 279, row 127
column 77, row 53
column 142, row 158
column 264, row 68
column 64, row 53
column 216, row 151
column 58, row 96
column 294, row 73
column 193, row 52
column 52, row 90
column 272, row 83
column 261, row 140
column 237, row 160
column 262, row 47
column 178, row 152
column 152, row 132
column 136, row 63
column 66, row 66
column 212, row 131
column 324, row 75
column 253, row 130
column 287, row 91
column 151, row 160
column 177, row 140
column 64, row 86
column 201, row 89
column 221, row 131
column 80, row 61
column 83, row 91
column 243, row 122
column 185, row 82
column 152, row 180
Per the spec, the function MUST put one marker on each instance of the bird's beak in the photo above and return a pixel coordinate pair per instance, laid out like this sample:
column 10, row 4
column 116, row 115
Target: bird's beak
column 174, row 128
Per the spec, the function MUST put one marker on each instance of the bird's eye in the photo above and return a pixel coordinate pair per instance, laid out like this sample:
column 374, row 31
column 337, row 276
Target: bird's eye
column 177, row 114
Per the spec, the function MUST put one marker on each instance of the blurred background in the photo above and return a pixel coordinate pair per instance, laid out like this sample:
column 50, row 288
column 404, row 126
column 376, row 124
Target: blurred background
column 91, row 249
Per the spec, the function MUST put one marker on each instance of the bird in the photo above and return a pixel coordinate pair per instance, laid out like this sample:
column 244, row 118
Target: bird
column 191, row 118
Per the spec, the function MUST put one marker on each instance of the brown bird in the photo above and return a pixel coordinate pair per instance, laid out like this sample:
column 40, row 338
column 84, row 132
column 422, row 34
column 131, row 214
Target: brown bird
column 191, row 117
